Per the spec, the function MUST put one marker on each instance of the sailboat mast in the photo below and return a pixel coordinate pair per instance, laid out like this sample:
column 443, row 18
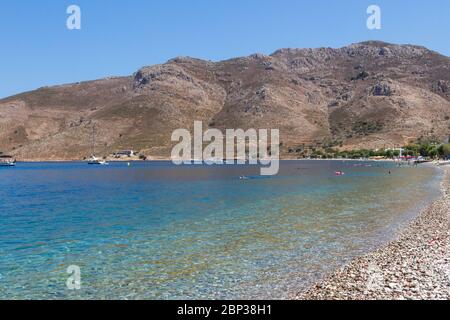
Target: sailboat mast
column 93, row 140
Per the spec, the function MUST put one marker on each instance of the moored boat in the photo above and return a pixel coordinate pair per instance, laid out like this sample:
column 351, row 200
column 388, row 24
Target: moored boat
column 7, row 161
column 96, row 161
column 93, row 160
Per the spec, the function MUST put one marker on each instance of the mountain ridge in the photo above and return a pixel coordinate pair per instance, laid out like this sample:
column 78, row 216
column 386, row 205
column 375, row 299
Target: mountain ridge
column 371, row 94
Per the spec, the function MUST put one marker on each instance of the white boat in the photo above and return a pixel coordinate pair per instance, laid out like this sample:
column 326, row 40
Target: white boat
column 96, row 161
column 93, row 160
column 7, row 161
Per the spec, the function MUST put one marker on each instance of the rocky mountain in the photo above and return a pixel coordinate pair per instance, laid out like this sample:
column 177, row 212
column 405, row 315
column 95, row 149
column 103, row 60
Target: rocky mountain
column 370, row 95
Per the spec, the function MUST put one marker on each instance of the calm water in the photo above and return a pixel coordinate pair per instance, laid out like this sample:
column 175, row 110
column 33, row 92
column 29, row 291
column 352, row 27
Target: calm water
column 156, row 231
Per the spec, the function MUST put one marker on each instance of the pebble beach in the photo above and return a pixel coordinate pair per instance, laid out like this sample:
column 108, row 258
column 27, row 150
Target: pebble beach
column 414, row 266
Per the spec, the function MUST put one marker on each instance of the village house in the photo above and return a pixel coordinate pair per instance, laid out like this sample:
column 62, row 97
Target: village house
column 124, row 153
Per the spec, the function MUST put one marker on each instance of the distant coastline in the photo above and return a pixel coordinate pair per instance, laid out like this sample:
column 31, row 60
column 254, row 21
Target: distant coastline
column 192, row 160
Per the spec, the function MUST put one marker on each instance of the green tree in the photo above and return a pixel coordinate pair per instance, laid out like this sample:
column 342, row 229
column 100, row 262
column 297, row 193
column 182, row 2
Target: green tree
column 443, row 150
column 433, row 152
column 389, row 154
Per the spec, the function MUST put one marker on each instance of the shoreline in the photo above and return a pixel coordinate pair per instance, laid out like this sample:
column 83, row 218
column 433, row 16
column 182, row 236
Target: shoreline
column 170, row 160
column 415, row 265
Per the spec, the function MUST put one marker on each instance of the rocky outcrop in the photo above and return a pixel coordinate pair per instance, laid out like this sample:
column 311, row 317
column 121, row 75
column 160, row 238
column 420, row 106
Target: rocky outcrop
column 383, row 88
column 441, row 86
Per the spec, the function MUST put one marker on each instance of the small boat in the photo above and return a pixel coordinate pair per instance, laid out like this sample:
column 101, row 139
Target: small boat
column 93, row 160
column 7, row 161
column 96, row 161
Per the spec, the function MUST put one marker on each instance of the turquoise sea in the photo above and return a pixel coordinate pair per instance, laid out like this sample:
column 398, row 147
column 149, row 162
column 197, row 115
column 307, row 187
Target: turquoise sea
column 157, row 231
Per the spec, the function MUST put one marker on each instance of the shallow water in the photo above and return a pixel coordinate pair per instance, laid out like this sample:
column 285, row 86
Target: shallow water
column 156, row 231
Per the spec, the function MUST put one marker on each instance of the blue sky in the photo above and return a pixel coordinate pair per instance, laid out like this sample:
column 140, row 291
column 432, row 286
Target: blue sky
column 118, row 37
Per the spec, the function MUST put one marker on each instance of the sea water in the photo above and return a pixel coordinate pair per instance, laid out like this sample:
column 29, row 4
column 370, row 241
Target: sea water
column 153, row 230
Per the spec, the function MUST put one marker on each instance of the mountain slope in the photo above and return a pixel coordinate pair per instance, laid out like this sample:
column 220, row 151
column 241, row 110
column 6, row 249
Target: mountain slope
column 370, row 95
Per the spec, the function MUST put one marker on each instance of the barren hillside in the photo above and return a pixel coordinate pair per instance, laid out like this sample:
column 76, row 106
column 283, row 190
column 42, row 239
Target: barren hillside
column 370, row 95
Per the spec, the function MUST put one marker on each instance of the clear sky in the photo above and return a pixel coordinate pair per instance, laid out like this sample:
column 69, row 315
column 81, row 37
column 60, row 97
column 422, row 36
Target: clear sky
column 118, row 37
